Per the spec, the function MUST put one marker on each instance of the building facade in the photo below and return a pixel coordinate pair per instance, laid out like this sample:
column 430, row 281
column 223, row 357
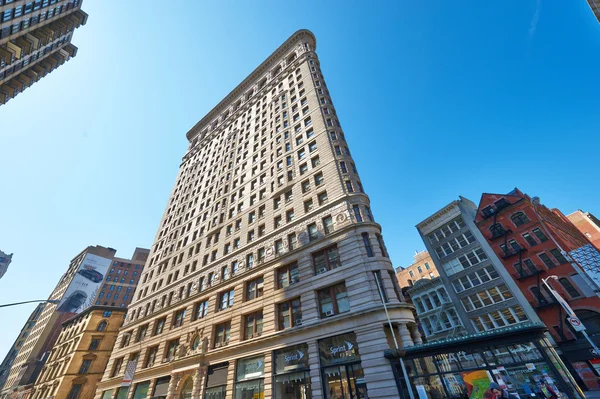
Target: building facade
column 78, row 289
column 35, row 39
column 595, row 7
column 267, row 272
column 485, row 295
column 14, row 350
column 422, row 267
column 122, row 279
column 79, row 356
column 534, row 242
column 5, row 260
column 588, row 224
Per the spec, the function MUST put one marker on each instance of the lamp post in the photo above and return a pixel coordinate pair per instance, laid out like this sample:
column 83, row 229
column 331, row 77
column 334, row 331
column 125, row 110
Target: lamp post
column 52, row 301
column 573, row 319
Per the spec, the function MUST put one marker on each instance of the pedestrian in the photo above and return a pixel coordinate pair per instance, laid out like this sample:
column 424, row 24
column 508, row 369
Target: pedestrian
column 500, row 393
column 547, row 391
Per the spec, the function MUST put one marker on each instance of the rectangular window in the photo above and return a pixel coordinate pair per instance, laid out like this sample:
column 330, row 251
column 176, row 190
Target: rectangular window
column 85, row 366
column 172, row 347
column 318, row 179
column 349, row 186
column 160, row 325
column 151, row 356
column 116, row 368
column 322, row 197
column 287, row 275
column 343, row 167
column 253, row 325
column 547, row 261
column 367, row 242
column 201, row 309
column 292, row 241
column 357, row 215
column 313, row 233
column 558, row 256
column 540, row 235
column 75, row 391
column 530, row 240
column 384, row 250
column 290, row 314
column 333, row 300
column 326, row 259
column 94, row 344
column 254, row 288
column 178, row 318
column 380, row 287
column 222, row 333
column 226, row 299
column 328, row 224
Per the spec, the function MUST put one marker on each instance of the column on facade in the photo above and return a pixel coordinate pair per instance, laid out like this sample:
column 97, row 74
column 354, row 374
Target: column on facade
column 199, row 381
column 151, row 388
column 379, row 376
column 415, row 334
column 405, row 335
column 172, row 390
column 315, row 371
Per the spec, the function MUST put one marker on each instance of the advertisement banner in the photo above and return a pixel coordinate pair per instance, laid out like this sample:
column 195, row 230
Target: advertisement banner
column 82, row 291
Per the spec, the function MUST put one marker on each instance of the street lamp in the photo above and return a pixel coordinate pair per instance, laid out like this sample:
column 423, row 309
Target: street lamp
column 572, row 317
column 52, row 301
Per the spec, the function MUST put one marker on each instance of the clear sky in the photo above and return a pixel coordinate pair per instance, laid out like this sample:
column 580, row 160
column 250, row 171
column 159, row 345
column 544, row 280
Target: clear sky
column 438, row 99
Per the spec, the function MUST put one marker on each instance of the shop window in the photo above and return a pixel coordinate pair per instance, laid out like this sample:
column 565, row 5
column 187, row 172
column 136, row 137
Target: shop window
column 292, row 373
column 341, row 370
column 249, row 378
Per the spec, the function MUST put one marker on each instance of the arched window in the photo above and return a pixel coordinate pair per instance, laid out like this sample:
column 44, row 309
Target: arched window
column 519, row 219
column 102, row 326
column 591, row 321
column 196, row 342
column 572, row 291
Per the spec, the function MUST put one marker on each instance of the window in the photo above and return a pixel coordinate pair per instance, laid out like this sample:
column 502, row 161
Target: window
column 308, row 205
column 313, row 233
column 367, row 242
column 253, row 325
column 322, row 197
column 249, row 261
column 328, row 224
column 384, row 250
column 540, row 235
column 343, row 167
column 312, row 146
column 318, row 179
column 290, row 314
column 292, row 241
column 160, row 325
column 172, row 348
column 327, row 259
column 497, row 230
column 571, row 290
column 178, row 318
column 222, row 332
column 151, row 356
column 94, row 344
column 349, row 186
column 357, row 215
column 102, row 326
column 116, row 367
column 530, row 240
column 558, row 256
column 75, row 391
column 333, row 300
column 519, row 219
column 226, row 299
column 305, row 186
column 201, row 309
column 254, row 288
column 141, row 333
column 289, row 215
column 85, row 366
column 547, row 261
column 278, row 247
column 287, row 275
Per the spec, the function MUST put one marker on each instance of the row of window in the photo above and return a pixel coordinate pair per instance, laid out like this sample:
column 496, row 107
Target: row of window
column 486, row 297
column 464, row 261
column 498, row 319
column 446, row 230
column 454, row 244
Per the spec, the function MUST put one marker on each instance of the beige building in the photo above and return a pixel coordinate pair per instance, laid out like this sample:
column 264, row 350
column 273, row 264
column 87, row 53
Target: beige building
column 265, row 275
column 35, row 39
column 422, row 267
column 80, row 355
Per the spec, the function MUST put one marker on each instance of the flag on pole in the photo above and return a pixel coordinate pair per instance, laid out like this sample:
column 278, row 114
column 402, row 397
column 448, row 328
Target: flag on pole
column 129, row 372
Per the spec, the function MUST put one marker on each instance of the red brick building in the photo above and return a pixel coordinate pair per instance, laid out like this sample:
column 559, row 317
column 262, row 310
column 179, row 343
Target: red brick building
column 588, row 224
column 533, row 242
column 122, row 279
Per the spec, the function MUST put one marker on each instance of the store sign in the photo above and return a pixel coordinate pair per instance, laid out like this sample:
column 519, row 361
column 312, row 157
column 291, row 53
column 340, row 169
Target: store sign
column 339, row 349
column 291, row 358
column 250, row 368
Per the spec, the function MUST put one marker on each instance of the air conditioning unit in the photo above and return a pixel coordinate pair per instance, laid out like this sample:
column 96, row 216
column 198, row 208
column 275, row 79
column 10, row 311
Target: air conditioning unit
column 217, row 344
column 329, row 313
column 298, row 322
column 322, row 270
column 165, row 360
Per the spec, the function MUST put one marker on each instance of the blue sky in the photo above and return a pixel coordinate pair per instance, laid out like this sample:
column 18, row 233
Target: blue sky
column 437, row 99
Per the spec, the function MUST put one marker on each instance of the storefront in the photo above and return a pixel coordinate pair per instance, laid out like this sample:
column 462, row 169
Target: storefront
column 291, row 378
column 141, row 390
column 518, row 359
column 341, row 371
column 249, row 378
column 216, row 381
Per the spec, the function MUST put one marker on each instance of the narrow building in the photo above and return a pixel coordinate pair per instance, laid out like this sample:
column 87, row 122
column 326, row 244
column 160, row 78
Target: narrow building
column 267, row 272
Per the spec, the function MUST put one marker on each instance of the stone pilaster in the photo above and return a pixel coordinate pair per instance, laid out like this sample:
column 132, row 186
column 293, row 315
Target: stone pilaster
column 173, row 383
column 405, row 335
column 415, row 334
column 315, row 371
column 199, row 382
column 151, row 388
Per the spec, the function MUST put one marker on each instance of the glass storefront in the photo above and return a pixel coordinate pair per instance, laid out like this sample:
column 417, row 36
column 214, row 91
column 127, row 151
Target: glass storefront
column 342, row 373
column 122, row 393
column 216, row 381
column 141, row 390
column 292, row 373
column 466, row 367
column 250, row 378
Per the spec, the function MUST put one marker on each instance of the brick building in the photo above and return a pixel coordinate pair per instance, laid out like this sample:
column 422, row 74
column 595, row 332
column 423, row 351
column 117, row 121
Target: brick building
column 588, row 224
column 122, row 279
column 422, row 267
column 534, row 242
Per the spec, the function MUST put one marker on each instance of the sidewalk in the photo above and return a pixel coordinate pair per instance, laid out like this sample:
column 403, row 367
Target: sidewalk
column 593, row 394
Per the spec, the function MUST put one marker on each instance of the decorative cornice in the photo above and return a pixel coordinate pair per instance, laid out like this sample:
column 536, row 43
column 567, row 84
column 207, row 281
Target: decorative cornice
column 302, row 34
column 429, row 224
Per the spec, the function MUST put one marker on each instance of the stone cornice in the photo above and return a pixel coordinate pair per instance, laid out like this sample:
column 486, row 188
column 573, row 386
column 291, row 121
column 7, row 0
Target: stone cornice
column 275, row 57
column 429, row 224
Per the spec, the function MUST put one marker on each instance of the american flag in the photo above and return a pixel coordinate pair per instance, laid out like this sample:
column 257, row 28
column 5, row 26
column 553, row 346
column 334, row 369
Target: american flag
column 129, row 372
